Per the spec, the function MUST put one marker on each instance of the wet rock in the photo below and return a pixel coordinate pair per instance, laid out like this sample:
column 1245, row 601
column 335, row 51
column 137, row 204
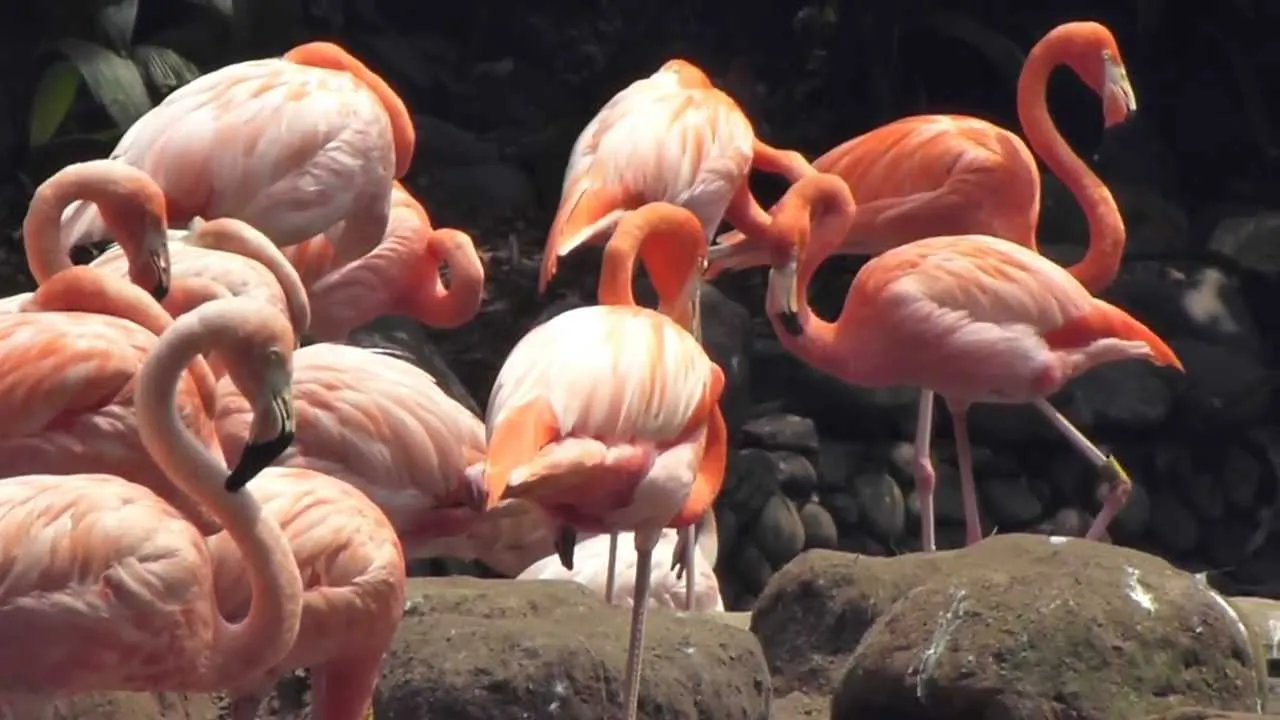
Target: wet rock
column 1110, row 632
column 782, row 431
column 843, row 507
column 751, row 568
column 131, row 706
column 880, row 499
column 1133, row 518
column 482, row 650
column 778, row 531
column 751, row 479
column 796, row 475
column 489, row 188
column 726, row 334
column 1067, row 522
column 1010, row 501
column 837, row 462
column 1252, row 241
column 1172, row 524
column 441, row 142
column 1223, row 388
column 819, row 528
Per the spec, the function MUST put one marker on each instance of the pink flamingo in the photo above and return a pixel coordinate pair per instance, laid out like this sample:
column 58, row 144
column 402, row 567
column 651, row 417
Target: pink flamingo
column 132, row 207
column 401, row 276
column 670, row 137
column 107, row 587
column 353, row 574
column 292, row 146
column 970, row 317
column 382, row 425
column 67, row 396
column 606, row 417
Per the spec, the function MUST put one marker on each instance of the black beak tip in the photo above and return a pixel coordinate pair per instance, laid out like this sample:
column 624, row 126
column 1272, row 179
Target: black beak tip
column 256, row 458
column 565, row 544
column 790, row 322
column 161, row 290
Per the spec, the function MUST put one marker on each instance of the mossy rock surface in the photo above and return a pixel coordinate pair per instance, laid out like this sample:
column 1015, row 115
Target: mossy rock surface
column 1023, row 626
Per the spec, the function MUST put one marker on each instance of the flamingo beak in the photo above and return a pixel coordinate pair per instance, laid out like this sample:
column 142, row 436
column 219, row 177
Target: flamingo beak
column 265, row 445
column 566, row 541
column 156, row 271
column 784, row 300
column 739, row 254
column 1118, row 98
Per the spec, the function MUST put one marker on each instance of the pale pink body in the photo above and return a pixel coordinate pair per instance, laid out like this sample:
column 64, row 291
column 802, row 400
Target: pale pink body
column 401, row 276
column 290, row 148
column 382, row 425
column 353, row 576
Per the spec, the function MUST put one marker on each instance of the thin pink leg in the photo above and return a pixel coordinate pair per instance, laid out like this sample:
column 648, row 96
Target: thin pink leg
column 1119, row 486
column 611, row 577
column 645, row 541
column 926, row 477
column 964, row 457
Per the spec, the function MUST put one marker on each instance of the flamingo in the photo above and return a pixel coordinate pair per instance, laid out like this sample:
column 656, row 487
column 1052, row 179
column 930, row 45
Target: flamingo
column 353, row 597
column 132, row 207
column 401, row 276
column 382, row 425
column 292, row 146
column 971, row 317
column 106, row 586
column 671, row 137
column 68, row 394
column 606, row 416
column 932, row 175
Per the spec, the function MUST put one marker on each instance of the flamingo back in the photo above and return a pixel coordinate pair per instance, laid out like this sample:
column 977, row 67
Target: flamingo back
column 280, row 145
column 103, row 586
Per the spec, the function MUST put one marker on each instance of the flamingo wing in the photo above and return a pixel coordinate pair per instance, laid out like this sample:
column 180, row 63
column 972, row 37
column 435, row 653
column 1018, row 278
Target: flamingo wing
column 282, row 146
column 62, row 364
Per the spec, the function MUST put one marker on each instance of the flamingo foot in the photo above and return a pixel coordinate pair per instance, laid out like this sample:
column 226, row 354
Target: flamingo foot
column 1119, row 488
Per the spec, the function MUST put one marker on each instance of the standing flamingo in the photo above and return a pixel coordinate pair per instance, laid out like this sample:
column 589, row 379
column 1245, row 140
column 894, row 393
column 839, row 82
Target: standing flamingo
column 607, row 417
column 353, row 596
column 68, row 392
column 132, row 207
column 106, row 587
column 292, row 146
column 401, row 276
column 970, row 317
column 670, row 137
column 382, row 425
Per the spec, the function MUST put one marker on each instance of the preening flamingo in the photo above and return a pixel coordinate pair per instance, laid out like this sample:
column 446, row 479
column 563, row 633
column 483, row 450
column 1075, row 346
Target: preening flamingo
column 670, row 137
column 353, row 596
column 132, row 207
column 933, row 175
column 970, row 317
column 607, row 417
column 68, row 393
column 382, row 425
column 401, row 276
column 236, row 256
column 292, row 146
column 106, row 587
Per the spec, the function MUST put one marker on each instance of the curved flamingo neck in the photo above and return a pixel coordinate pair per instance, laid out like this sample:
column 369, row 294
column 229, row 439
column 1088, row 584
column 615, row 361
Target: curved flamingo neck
column 240, row 238
column 670, row 243
column 128, row 200
column 1101, row 262
column 431, row 302
column 238, row 649
column 332, row 57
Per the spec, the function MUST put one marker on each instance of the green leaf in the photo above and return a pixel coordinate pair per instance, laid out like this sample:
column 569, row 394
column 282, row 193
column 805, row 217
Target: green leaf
column 165, row 69
column 223, row 6
column 115, row 81
column 54, row 95
column 115, row 20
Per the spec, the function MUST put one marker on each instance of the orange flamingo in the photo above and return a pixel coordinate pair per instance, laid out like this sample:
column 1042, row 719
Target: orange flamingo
column 401, row 276
column 234, row 255
column 107, row 587
column 354, row 576
column 290, row 145
column 669, row 137
column 132, row 207
column 67, row 397
column 607, row 416
column 382, row 425
column 971, row 317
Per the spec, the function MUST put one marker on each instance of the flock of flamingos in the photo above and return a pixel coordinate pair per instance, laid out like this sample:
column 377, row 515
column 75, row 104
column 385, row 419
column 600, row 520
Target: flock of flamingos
column 198, row 502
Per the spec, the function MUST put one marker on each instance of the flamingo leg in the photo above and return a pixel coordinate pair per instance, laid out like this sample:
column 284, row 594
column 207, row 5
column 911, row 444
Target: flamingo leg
column 964, row 458
column 645, row 542
column 611, row 578
column 926, row 477
column 690, row 546
column 1119, row 486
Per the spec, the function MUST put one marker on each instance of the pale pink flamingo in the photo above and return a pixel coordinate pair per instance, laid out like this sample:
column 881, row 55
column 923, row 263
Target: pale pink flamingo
column 132, row 208
column 292, row 146
column 106, row 587
column 67, row 393
column 670, row 137
column 606, row 417
column 236, row 256
column 382, row 425
column 970, row 317
column 353, row 596
column 401, row 276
